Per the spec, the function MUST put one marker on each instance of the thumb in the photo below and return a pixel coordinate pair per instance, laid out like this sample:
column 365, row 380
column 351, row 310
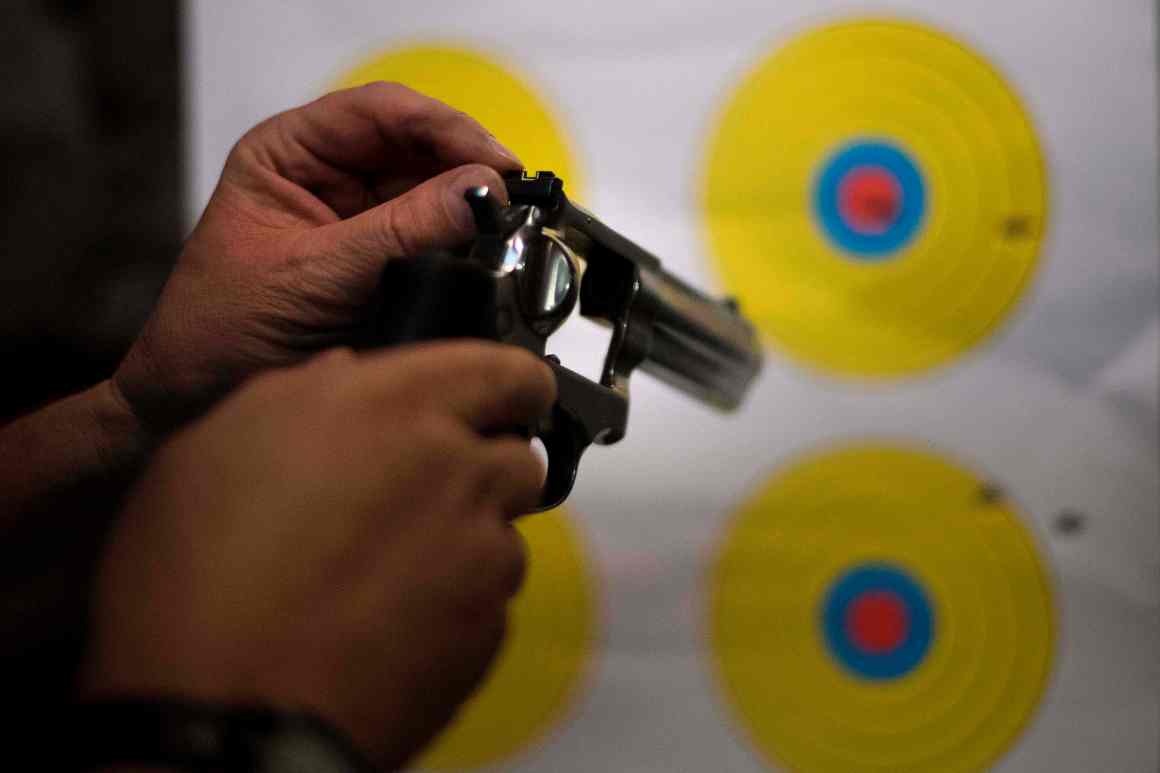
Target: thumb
column 431, row 216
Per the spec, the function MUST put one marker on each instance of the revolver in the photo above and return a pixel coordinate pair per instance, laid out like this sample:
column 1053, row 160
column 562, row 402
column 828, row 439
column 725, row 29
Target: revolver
column 521, row 278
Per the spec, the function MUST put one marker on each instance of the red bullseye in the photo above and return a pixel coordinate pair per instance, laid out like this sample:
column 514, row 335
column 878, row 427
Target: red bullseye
column 877, row 622
column 869, row 199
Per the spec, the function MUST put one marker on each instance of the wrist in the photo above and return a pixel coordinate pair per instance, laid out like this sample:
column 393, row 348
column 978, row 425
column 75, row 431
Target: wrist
column 76, row 452
column 118, row 438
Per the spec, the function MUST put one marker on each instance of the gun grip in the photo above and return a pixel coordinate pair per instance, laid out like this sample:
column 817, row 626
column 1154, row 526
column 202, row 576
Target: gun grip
column 433, row 298
column 420, row 299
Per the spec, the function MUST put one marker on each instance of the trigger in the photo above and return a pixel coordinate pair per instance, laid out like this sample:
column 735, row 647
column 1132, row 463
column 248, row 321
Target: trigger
column 564, row 443
column 584, row 413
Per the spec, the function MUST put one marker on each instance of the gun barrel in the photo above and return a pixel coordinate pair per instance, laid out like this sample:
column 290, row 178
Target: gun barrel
column 699, row 345
column 702, row 346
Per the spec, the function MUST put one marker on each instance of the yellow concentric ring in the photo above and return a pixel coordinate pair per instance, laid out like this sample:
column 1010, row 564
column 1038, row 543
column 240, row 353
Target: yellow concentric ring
column 953, row 114
column 962, row 541
column 551, row 642
column 552, row 626
column 507, row 105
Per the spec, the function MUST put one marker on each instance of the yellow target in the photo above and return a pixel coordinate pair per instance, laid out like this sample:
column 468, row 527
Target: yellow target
column 552, row 630
column 550, row 644
column 878, row 608
column 475, row 84
column 875, row 195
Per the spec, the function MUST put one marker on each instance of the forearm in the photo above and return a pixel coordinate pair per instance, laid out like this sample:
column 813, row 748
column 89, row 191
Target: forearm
column 63, row 471
column 67, row 451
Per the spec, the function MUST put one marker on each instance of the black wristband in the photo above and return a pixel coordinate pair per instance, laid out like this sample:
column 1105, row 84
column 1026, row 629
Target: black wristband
column 187, row 735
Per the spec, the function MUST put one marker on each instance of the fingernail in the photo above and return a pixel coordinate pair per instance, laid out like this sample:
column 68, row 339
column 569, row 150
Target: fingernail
column 504, row 151
column 459, row 208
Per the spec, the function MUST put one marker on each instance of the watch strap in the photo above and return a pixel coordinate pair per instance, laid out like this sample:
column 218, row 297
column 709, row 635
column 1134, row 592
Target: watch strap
column 198, row 736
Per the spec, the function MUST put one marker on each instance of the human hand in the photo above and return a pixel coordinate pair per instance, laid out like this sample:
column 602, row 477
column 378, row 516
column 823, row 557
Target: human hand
column 310, row 205
column 333, row 537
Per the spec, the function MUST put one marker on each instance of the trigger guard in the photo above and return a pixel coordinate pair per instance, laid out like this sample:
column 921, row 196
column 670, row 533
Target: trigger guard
column 564, row 443
column 585, row 413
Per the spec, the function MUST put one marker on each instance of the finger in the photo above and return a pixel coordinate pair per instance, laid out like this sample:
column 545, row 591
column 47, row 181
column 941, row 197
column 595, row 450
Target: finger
column 380, row 128
column 483, row 384
column 431, row 216
column 496, row 561
column 513, row 568
column 512, row 476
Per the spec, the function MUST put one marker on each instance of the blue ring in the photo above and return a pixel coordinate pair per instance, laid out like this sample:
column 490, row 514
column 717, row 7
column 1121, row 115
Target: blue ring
column 870, row 578
column 906, row 225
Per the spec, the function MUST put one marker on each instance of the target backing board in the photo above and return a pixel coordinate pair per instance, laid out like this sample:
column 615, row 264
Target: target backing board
column 931, row 540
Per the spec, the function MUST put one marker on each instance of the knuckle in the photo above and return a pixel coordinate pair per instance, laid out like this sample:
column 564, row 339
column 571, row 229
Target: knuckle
column 455, row 121
column 426, row 120
column 241, row 152
column 428, row 434
column 386, row 90
column 419, row 116
column 523, row 372
column 251, row 136
column 499, row 561
column 434, row 439
column 393, row 230
column 469, row 360
column 513, row 563
column 248, row 146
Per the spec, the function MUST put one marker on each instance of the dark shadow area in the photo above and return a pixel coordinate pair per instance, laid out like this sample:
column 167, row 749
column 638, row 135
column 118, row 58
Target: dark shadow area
column 91, row 136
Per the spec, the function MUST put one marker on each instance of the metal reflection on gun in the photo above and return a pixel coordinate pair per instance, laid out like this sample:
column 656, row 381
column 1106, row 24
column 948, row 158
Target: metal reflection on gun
column 521, row 279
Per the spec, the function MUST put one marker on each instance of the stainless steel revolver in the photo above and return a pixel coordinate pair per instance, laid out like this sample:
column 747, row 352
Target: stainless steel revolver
column 521, row 278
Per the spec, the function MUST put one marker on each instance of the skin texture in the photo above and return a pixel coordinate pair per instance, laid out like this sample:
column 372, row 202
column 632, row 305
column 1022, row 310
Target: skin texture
column 310, row 205
column 334, row 537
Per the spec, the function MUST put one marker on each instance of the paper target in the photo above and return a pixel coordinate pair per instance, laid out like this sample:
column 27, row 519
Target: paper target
column 875, row 195
column 550, row 646
column 874, row 191
column 876, row 607
column 552, row 626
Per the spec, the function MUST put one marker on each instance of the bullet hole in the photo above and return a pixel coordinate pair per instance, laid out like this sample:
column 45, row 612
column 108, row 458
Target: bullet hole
column 1070, row 523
